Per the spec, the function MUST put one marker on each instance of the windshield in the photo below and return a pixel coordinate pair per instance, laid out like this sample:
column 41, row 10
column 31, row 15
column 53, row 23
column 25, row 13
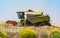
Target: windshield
column 21, row 15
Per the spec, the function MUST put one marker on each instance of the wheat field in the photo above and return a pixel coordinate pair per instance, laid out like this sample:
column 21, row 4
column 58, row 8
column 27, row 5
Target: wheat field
column 41, row 31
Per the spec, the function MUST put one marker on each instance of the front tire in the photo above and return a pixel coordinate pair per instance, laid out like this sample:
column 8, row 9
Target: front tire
column 22, row 23
column 28, row 23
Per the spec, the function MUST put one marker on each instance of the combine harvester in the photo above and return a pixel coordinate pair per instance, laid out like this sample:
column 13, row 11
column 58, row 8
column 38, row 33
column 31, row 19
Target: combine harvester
column 35, row 18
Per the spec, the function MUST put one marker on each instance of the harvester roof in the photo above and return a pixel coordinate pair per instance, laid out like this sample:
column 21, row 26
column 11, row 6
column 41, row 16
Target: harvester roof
column 29, row 10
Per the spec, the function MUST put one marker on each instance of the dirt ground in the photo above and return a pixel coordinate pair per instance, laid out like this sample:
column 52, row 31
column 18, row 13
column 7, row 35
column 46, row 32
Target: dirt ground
column 41, row 31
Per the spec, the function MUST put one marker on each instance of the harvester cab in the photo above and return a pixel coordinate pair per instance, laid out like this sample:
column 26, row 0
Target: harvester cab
column 33, row 18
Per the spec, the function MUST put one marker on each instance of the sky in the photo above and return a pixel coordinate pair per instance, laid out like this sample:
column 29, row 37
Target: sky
column 8, row 8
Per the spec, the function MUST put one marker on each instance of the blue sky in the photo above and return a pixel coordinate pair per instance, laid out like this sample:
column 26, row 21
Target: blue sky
column 8, row 8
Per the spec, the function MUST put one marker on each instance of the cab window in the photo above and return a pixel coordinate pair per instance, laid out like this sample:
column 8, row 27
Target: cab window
column 21, row 14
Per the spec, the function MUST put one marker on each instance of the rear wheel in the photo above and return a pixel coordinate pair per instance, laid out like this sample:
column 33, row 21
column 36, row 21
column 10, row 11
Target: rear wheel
column 47, row 23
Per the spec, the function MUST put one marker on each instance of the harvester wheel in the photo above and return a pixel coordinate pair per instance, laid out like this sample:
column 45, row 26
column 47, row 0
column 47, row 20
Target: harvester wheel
column 47, row 23
column 21, row 22
column 41, row 24
column 28, row 23
column 35, row 24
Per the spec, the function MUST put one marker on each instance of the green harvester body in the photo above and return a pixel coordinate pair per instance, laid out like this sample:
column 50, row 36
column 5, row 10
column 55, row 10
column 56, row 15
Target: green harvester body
column 32, row 17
